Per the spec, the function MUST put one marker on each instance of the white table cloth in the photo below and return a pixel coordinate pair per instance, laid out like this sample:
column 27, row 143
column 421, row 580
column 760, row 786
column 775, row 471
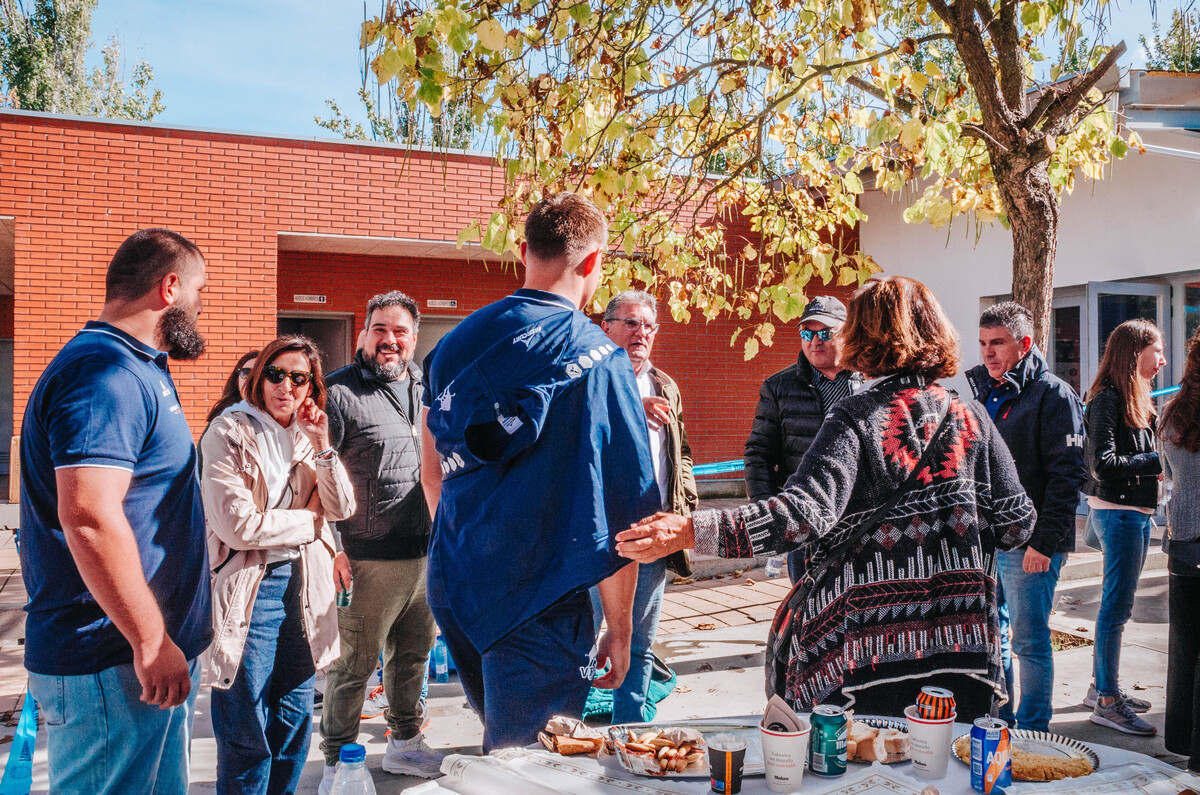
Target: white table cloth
column 535, row 771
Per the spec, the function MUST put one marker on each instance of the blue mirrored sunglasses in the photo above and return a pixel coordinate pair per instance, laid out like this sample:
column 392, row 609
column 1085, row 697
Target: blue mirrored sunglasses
column 824, row 335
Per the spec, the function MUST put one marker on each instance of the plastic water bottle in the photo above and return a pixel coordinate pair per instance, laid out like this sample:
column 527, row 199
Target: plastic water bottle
column 775, row 565
column 441, row 661
column 352, row 777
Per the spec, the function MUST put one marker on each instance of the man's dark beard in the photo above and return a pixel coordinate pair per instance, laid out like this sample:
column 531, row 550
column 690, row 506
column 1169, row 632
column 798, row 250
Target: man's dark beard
column 384, row 372
column 178, row 334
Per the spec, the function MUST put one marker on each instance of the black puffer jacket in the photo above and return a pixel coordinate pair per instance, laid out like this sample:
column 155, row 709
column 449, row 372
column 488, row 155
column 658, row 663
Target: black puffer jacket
column 1122, row 464
column 785, row 423
column 1040, row 419
column 380, row 446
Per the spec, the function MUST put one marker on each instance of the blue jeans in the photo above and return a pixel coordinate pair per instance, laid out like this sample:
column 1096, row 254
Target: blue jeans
column 540, row 669
column 102, row 739
column 630, row 697
column 263, row 722
column 1124, row 539
column 1025, row 602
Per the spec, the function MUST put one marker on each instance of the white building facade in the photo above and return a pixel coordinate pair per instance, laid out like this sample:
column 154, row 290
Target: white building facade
column 1129, row 246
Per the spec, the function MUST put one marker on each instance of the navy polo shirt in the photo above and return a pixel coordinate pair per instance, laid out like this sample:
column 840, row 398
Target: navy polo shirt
column 107, row 400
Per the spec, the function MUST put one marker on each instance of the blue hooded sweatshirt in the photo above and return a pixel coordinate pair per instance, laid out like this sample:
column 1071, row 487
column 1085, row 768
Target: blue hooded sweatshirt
column 545, row 457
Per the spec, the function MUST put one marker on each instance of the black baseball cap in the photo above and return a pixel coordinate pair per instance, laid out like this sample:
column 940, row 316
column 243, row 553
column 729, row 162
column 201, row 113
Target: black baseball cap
column 825, row 309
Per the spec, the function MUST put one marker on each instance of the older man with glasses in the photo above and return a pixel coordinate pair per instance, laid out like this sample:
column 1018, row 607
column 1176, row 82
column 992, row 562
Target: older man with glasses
column 793, row 403
column 631, row 321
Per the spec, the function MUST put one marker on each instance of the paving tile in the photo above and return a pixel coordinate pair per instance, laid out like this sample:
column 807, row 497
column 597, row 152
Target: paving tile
column 759, row 612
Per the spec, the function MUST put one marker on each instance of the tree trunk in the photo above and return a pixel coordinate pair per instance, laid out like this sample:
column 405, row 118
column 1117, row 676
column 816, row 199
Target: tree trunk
column 1033, row 218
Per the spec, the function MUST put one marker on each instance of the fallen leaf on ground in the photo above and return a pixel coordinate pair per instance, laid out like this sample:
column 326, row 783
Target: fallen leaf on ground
column 683, row 581
column 738, row 573
column 706, row 626
column 704, row 668
column 1081, row 629
column 681, row 689
column 749, row 582
column 1139, row 686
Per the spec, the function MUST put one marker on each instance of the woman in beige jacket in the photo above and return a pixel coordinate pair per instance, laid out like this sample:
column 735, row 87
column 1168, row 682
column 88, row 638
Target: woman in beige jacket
column 270, row 482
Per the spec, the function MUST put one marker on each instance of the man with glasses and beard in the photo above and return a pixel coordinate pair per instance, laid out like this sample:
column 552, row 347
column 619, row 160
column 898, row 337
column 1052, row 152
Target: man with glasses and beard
column 112, row 532
column 374, row 408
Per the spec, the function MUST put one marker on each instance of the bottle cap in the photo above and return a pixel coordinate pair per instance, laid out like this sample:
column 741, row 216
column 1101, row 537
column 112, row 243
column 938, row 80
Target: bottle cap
column 352, row 753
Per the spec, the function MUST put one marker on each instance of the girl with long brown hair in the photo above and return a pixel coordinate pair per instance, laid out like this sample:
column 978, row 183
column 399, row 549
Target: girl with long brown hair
column 1123, row 471
column 1179, row 431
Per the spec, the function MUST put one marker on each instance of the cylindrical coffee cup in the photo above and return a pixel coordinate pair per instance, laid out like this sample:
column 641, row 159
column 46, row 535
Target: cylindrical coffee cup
column 929, row 742
column 726, row 757
column 783, row 756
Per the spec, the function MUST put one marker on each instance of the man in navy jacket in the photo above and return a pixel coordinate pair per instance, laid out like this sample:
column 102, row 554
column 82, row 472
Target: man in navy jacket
column 536, row 454
column 1040, row 418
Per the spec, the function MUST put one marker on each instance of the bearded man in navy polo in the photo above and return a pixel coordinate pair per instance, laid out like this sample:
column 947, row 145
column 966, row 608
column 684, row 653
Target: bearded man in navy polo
column 112, row 533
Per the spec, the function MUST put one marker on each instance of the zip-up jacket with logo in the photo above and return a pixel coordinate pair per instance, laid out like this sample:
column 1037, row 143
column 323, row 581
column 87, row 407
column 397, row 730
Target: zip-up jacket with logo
column 545, row 457
column 380, row 447
column 1040, row 419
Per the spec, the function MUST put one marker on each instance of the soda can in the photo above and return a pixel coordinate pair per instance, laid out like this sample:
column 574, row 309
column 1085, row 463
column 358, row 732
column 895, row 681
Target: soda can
column 935, row 703
column 991, row 756
column 827, row 743
column 343, row 597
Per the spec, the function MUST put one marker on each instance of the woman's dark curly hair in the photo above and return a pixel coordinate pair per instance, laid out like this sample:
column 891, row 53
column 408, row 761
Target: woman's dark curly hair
column 1181, row 418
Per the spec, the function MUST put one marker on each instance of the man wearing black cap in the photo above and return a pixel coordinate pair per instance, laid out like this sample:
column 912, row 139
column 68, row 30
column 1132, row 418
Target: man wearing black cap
column 793, row 403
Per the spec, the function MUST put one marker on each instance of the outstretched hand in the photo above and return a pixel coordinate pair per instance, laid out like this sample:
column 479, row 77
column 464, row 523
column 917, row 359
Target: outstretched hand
column 655, row 537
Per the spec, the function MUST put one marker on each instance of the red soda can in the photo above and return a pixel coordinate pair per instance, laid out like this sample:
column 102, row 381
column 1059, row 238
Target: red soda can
column 935, row 703
column 991, row 756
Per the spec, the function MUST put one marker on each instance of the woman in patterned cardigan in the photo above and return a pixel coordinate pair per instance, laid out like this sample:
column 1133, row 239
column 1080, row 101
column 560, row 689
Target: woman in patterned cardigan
column 914, row 601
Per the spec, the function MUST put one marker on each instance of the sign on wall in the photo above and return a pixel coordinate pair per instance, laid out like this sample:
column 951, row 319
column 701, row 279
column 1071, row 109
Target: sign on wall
column 308, row 299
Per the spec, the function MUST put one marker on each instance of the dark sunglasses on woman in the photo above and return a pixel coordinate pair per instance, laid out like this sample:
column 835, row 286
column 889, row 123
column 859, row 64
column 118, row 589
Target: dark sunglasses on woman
column 276, row 375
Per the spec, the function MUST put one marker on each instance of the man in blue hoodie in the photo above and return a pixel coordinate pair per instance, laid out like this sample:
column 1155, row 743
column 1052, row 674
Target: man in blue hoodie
column 536, row 455
column 1040, row 418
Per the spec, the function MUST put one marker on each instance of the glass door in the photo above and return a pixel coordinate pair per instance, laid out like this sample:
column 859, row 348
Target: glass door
column 1065, row 355
column 1110, row 304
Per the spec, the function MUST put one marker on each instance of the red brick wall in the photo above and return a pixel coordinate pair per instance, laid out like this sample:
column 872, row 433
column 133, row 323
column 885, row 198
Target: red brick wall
column 78, row 188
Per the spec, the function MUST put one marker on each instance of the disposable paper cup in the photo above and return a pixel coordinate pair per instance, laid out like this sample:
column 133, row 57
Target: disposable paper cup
column 930, row 743
column 784, row 754
column 726, row 757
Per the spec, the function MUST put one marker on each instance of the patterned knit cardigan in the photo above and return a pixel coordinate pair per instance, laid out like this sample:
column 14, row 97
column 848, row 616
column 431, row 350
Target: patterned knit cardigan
column 917, row 595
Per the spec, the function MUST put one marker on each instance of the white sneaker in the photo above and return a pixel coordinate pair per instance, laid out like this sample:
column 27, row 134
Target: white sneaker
column 375, row 703
column 412, row 757
column 327, row 780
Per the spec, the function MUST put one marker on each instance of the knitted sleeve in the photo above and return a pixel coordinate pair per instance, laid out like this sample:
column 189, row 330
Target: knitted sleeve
column 807, row 508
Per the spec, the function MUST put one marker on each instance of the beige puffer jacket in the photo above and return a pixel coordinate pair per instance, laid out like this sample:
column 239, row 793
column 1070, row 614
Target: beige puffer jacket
column 241, row 530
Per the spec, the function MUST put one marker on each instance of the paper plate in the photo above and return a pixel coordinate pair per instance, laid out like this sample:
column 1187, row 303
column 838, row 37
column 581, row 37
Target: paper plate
column 1043, row 743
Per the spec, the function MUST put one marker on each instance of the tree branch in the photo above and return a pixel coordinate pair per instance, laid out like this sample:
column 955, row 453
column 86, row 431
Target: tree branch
column 1006, row 42
column 968, row 40
column 1059, row 112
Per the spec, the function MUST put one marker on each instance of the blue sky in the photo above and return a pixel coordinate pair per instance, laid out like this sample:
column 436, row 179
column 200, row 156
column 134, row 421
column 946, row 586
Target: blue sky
column 269, row 65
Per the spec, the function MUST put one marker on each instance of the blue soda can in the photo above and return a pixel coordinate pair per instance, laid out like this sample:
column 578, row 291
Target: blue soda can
column 344, row 597
column 991, row 756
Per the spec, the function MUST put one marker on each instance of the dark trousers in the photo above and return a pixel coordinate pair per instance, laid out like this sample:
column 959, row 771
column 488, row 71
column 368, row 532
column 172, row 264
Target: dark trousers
column 1182, row 729
column 541, row 669
column 972, row 698
column 263, row 722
